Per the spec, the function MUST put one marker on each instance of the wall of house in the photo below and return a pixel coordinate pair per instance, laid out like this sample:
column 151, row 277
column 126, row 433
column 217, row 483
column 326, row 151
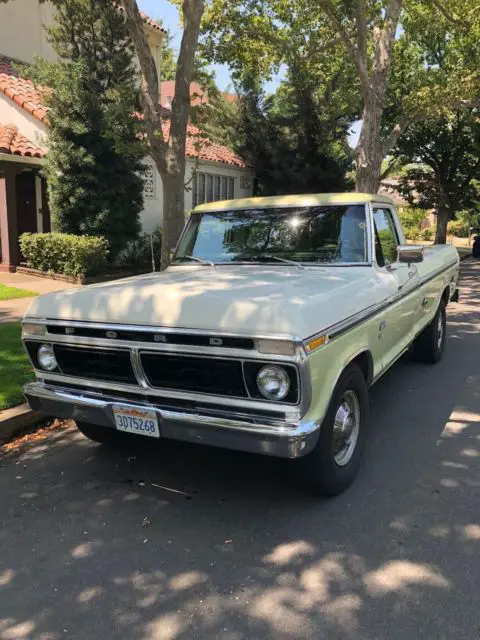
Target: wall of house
column 28, row 125
column 21, row 29
column 153, row 194
column 23, row 37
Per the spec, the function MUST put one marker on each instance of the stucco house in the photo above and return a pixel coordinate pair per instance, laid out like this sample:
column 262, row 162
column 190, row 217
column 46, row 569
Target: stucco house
column 214, row 172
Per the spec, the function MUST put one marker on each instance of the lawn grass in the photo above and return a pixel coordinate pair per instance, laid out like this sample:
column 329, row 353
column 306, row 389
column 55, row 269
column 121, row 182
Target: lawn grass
column 15, row 367
column 10, row 293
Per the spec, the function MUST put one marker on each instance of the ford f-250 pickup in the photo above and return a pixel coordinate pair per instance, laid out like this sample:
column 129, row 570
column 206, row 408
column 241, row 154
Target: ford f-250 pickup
column 275, row 317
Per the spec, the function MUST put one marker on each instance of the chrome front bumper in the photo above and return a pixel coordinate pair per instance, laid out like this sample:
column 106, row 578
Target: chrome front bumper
column 282, row 440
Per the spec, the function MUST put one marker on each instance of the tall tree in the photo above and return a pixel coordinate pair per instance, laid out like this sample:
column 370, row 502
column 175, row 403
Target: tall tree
column 167, row 150
column 375, row 37
column 292, row 145
column 447, row 153
column 94, row 162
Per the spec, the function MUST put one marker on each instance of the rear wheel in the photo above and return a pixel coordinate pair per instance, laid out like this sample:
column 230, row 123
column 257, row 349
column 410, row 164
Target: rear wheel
column 104, row 435
column 332, row 466
column 430, row 344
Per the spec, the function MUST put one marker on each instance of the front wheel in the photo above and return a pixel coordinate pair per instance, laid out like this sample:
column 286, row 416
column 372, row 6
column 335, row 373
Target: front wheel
column 104, row 435
column 334, row 462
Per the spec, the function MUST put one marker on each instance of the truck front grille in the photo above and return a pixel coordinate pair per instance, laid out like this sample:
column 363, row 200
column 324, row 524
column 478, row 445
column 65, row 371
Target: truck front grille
column 193, row 373
column 97, row 364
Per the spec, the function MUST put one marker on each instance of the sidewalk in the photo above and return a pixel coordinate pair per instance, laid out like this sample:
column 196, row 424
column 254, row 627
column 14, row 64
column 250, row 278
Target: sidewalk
column 13, row 310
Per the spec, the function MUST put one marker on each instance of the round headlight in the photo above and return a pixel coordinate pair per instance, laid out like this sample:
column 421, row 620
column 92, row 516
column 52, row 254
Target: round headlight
column 273, row 382
column 46, row 357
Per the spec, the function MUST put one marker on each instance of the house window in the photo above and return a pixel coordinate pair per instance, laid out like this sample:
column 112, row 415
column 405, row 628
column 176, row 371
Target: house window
column 149, row 187
column 210, row 188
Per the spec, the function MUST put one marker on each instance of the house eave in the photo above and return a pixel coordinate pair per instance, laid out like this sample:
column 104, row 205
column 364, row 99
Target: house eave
column 26, row 160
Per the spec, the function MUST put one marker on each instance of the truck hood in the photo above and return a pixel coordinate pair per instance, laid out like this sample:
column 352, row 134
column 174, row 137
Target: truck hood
column 240, row 299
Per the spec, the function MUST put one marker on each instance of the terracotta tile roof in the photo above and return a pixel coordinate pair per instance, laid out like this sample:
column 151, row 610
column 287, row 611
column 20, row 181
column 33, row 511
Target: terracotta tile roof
column 23, row 92
column 198, row 95
column 150, row 21
column 199, row 146
column 11, row 141
column 20, row 90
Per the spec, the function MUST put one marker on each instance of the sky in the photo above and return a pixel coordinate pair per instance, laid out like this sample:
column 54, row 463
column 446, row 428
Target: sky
column 168, row 13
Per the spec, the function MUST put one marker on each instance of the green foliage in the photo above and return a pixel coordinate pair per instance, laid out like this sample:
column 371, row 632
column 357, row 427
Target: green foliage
column 94, row 165
column 291, row 142
column 427, row 234
column 458, row 228
column 411, row 219
column 138, row 252
column 447, row 152
column 433, row 65
column 65, row 254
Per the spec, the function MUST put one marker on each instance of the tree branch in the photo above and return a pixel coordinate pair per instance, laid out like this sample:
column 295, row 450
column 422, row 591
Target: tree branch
column 149, row 82
column 192, row 15
column 385, row 38
column 397, row 130
column 361, row 12
column 356, row 54
column 449, row 16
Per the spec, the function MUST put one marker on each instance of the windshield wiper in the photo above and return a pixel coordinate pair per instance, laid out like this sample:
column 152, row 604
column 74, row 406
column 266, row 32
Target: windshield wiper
column 200, row 260
column 297, row 264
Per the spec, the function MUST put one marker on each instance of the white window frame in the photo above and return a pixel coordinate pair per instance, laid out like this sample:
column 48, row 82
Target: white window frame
column 219, row 187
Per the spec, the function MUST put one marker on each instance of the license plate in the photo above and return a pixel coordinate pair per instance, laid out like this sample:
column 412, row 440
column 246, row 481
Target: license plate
column 143, row 422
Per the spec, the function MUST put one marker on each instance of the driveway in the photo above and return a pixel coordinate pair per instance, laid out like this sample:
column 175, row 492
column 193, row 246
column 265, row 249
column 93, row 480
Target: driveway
column 169, row 541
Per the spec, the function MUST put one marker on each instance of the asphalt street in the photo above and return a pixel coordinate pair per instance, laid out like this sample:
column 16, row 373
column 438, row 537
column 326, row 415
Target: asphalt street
column 166, row 541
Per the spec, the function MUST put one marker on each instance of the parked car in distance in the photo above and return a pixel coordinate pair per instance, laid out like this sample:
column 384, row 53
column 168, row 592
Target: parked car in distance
column 476, row 247
column 265, row 334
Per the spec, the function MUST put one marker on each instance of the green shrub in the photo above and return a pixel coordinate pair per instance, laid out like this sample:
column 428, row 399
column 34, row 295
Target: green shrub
column 65, row 254
column 411, row 219
column 427, row 234
column 458, row 228
column 138, row 252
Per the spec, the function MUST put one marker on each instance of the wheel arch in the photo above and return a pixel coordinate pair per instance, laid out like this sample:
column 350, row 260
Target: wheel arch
column 364, row 360
column 446, row 295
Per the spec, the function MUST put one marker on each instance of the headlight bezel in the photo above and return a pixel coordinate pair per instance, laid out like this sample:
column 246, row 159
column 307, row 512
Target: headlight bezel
column 30, row 329
column 45, row 346
column 276, row 374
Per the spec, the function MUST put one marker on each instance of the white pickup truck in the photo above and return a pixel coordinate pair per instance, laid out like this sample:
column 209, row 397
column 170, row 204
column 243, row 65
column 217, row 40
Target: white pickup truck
column 265, row 333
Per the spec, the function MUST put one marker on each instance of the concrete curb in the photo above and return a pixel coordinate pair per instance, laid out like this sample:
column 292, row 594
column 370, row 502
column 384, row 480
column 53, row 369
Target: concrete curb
column 15, row 420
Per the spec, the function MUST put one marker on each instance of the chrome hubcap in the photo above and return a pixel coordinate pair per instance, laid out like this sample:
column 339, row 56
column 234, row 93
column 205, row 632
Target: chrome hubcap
column 440, row 331
column 346, row 428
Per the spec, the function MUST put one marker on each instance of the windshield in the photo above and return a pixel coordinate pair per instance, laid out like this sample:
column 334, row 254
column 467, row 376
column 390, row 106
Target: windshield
column 314, row 235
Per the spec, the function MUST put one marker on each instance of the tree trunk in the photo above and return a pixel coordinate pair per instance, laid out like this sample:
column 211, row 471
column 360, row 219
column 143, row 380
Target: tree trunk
column 173, row 213
column 369, row 152
column 443, row 216
column 168, row 155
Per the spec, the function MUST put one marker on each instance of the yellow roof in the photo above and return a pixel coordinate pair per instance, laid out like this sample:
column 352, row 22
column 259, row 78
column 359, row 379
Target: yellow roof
column 315, row 199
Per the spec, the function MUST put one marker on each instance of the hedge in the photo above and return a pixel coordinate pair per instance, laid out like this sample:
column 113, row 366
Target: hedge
column 65, row 254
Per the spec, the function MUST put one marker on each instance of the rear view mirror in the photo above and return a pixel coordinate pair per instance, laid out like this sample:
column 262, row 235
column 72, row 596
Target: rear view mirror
column 410, row 253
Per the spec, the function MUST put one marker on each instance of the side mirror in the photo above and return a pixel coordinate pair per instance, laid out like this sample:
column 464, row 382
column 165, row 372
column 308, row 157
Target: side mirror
column 410, row 253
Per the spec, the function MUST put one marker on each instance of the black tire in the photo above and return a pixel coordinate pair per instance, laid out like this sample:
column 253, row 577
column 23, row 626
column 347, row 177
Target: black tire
column 429, row 345
column 104, row 435
column 318, row 473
